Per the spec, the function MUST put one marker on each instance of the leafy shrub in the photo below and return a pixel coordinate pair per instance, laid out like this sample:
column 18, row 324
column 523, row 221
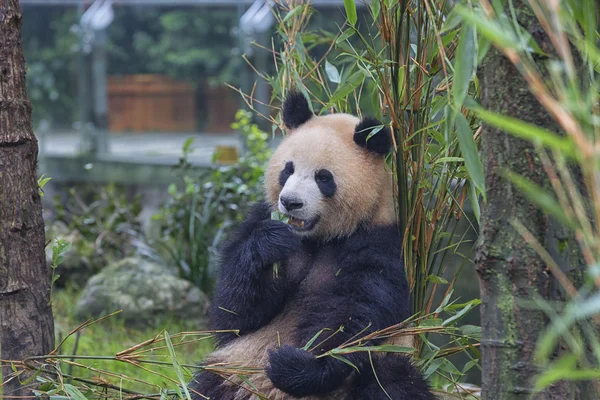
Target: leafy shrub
column 202, row 208
column 108, row 225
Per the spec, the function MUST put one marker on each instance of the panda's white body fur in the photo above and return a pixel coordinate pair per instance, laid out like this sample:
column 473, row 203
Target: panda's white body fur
column 251, row 351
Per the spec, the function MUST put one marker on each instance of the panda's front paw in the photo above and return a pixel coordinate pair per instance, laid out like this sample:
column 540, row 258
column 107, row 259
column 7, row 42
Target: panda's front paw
column 299, row 373
column 274, row 241
column 293, row 370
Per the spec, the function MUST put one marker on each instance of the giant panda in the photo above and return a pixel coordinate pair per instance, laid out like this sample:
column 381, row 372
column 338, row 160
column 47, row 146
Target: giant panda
column 335, row 268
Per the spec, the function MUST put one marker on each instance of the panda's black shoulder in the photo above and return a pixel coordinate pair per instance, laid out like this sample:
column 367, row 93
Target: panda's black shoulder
column 371, row 261
column 380, row 245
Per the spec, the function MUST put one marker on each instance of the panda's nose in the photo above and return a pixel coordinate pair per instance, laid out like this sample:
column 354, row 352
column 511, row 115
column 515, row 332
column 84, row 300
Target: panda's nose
column 291, row 203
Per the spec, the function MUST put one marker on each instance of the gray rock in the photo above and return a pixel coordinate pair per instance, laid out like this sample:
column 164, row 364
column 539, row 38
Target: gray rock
column 146, row 292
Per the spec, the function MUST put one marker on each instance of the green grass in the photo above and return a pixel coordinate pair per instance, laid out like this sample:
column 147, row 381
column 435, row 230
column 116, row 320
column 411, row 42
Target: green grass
column 110, row 336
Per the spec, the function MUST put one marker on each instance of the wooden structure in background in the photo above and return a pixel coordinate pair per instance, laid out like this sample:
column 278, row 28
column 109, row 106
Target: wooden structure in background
column 221, row 105
column 150, row 103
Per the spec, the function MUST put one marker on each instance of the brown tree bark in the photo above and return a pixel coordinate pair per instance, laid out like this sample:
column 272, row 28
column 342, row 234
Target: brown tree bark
column 26, row 323
column 509, row 269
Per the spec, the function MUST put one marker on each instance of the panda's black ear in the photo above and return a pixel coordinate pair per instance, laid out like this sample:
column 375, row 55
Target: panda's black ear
column 295, row 110
column 373, row 136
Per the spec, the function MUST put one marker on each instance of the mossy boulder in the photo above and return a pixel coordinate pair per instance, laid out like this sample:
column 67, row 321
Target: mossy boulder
column 146, row 292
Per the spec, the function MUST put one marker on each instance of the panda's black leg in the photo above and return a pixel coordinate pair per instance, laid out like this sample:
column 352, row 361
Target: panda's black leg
column 396, row 375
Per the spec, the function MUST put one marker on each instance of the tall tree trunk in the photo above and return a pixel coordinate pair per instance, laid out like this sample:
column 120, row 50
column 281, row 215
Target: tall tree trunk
column 509, row 269
column 26, row 323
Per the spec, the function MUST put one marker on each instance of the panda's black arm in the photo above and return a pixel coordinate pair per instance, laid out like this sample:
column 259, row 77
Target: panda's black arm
column 248, row 294
column 369, row 293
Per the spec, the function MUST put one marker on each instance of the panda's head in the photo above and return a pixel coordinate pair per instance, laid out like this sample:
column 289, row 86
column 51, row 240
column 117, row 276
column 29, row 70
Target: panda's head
column 329, row 173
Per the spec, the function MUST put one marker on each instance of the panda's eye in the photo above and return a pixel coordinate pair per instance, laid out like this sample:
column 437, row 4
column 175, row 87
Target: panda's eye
column 323, row 176
column 286, row 172
column 325, row 182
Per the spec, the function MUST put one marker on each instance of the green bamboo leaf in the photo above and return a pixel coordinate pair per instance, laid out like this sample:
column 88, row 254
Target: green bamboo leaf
column 375, row 9
column 431, row 322
column 490, row 29
column 295, row 11
column 453, row 19
column 437, row 279
column 176, row 364
column 277, row 216
column 187, row 149
column 247, row 381
column 471, row 331
column 332, row 72
column 474, row 200
column 530, row 44
column 347, row 87
column 385, row 348
column 464, row 65
column 592, row 53
column 483, row 47
column 575, row 311
column 433, row 366
column 590, row 25
column 345, row 361
column 27, row 381
column 344, row 36
column 540, row 197
column 448, row 159
column 444, row 302
column 527, row 131
column 299, row 47
column 586, row 308
column 73, row 392
column 454, row 306
column 351, row 15
column 449, row 367
column 469, row 152
column 458, row 315
column 565, row 369
column 468, row 365
column 312, row 340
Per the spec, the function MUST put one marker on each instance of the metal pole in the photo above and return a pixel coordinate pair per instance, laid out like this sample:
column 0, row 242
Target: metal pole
column 243, row 69
column 100, row 93
column 261, row 62
column 82, row 83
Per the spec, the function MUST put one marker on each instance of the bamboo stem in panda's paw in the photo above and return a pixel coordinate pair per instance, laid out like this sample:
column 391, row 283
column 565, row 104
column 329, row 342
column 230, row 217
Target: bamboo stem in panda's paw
column 277, row 216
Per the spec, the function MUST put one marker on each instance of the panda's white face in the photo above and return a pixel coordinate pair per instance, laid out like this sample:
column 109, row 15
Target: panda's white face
column 326, row 183
column 304, row 195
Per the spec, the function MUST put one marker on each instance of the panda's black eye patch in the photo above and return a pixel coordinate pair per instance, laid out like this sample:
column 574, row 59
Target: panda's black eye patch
column 325, row 182
column 286, row 172
column 324, row 175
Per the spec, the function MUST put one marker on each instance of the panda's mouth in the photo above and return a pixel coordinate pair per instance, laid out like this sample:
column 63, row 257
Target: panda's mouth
column 302, row 225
